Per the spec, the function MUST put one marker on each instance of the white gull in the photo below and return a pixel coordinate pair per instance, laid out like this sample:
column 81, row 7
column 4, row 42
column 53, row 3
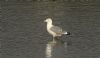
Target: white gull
column 54, row 30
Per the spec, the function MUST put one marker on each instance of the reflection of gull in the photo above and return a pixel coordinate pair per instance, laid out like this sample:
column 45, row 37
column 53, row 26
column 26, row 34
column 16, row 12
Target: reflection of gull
column 54, row 30
column 49, row 51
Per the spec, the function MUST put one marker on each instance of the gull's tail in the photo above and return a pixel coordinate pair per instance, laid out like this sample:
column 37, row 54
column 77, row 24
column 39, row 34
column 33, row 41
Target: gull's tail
column 67, row 33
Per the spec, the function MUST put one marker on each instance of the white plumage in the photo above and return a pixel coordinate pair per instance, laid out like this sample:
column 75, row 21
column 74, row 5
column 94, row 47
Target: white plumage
column 54, row 30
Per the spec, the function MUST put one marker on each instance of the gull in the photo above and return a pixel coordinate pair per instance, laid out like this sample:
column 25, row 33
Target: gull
column 54, row 30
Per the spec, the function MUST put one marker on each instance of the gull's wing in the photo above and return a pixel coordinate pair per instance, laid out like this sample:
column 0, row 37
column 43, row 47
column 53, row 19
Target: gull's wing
column 56, row 29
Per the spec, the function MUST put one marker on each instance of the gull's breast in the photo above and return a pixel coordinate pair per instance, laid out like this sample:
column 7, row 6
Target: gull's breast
column 50, row 31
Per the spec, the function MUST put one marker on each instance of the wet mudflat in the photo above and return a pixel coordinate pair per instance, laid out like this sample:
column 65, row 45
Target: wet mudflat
column 23, row 33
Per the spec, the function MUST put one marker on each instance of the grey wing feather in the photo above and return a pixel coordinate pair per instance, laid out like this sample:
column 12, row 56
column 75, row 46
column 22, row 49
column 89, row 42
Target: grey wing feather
column 56, row 29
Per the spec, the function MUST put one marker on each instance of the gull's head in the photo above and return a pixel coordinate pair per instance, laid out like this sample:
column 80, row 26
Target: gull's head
column 48, row 20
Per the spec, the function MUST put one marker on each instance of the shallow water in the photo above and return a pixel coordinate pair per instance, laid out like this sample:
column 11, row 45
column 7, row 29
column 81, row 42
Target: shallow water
column 23, row 32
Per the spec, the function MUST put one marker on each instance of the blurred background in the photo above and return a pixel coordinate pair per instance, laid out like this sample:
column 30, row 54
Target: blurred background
column 23, row 31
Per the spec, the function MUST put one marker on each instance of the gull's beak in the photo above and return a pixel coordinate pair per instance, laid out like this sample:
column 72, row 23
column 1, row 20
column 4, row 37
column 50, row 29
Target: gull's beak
column 44, row 20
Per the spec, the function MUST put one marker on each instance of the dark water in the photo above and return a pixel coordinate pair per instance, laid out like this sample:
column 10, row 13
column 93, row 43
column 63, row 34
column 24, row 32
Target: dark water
column 23, row 33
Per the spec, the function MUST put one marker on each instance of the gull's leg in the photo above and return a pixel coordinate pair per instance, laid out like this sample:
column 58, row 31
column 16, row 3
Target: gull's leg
column 54, row 39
